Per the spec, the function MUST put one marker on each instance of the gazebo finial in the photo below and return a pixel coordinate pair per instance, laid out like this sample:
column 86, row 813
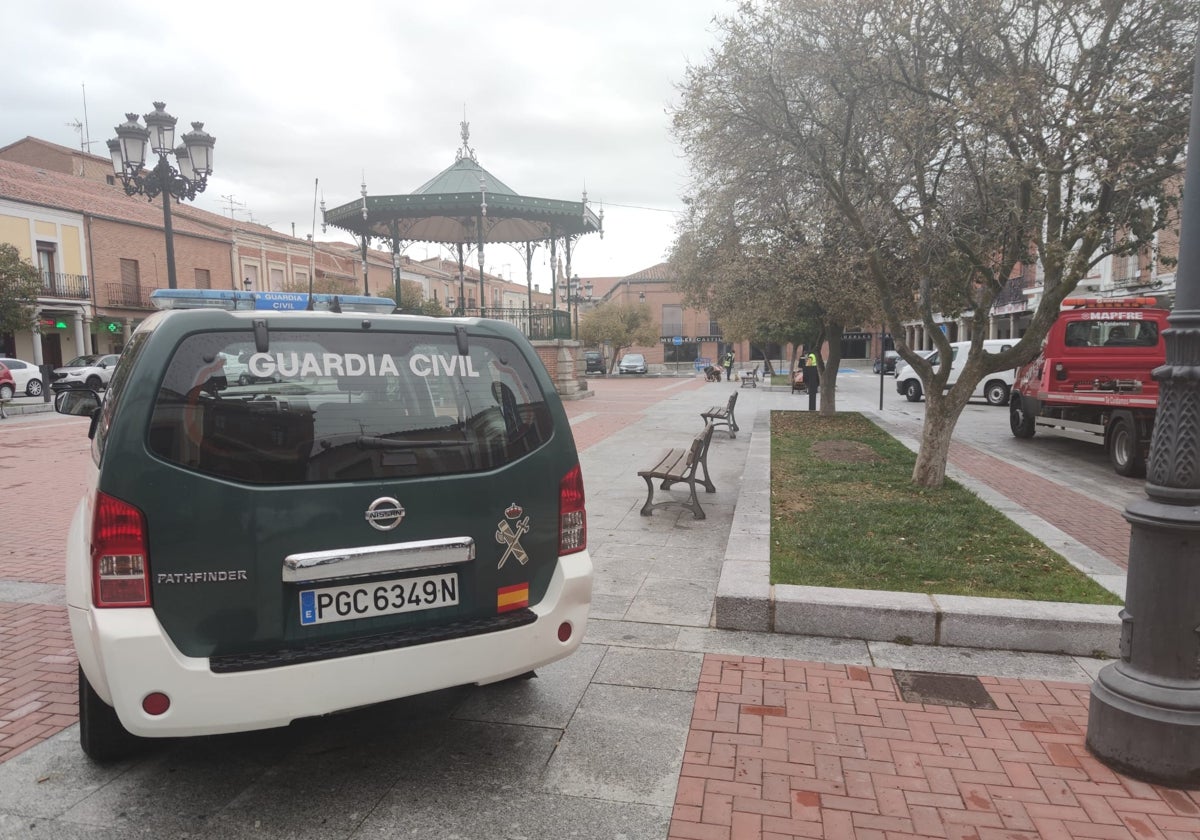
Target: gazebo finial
column 465, row 132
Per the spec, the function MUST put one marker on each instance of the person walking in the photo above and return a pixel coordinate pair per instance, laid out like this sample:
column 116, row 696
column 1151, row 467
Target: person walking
column 727, row 363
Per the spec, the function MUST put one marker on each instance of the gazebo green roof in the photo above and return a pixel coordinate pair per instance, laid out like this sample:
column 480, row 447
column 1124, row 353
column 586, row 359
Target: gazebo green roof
column 450, row 209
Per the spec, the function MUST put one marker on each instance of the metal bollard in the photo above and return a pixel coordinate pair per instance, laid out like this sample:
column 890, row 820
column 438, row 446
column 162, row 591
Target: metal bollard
column 812, row 379
column 47, row 391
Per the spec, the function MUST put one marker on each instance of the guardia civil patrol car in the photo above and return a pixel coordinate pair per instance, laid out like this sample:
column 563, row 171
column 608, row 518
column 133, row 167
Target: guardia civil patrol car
column 374, row 506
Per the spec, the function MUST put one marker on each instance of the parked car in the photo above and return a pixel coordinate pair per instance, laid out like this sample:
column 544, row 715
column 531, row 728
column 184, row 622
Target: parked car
column 90, row 371
column 404, row 514
column 594, row 362
column 237, row 372
column 632, row 363
column 890, row 358
column 26, row 376
column 994, row 387
column 7, row 385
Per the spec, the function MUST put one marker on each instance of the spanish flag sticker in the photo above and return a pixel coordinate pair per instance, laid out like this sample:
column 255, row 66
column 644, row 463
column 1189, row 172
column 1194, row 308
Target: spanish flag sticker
column 512, row 597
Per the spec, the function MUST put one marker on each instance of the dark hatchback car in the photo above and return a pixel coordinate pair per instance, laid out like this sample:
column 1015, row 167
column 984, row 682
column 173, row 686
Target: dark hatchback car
column 890, row 357
column 594, row 362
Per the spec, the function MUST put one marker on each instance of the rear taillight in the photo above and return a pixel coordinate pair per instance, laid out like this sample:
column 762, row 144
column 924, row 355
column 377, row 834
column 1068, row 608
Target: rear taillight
column 572, row 518
column 120, row 566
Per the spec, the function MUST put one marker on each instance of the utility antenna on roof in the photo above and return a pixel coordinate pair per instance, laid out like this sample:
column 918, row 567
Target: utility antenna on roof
column 85, row 137
column 234, row 206
column 465, row 130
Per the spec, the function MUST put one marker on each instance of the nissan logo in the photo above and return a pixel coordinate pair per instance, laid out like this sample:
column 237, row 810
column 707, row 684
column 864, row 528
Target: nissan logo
column 385, row 513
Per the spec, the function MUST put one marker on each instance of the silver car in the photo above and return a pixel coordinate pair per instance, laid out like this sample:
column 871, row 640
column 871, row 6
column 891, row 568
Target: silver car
column 632, row 363
column 91, row 371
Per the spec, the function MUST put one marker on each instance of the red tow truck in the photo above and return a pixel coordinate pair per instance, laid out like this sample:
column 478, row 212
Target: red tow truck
column 1092, row 381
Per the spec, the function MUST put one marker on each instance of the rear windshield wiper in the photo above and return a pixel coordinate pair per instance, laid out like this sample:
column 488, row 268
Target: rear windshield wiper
column 370, row 442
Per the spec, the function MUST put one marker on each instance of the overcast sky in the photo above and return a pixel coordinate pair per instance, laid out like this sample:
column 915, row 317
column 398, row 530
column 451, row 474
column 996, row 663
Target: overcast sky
column 559, row 96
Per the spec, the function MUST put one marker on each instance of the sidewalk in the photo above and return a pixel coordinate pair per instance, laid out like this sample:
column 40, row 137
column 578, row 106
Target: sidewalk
column 661, row 725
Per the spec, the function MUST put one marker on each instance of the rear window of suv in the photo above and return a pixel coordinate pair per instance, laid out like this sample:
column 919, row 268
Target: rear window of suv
column 337, row 406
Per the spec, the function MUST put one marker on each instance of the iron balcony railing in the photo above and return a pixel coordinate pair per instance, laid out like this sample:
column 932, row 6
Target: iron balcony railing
column 128, row 297
column 57, row 284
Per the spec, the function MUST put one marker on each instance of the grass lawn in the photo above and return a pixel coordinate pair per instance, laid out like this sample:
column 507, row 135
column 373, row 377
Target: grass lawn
column 845, row 513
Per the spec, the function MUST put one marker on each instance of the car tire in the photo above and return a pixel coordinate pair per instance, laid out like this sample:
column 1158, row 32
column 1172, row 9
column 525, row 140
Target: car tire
column 996, row 392
column 33, row 388
column 94, row 382
column 912, row 390
column 1125, row 450
column 1020, row 421
column 101, row 734
column 6, row 392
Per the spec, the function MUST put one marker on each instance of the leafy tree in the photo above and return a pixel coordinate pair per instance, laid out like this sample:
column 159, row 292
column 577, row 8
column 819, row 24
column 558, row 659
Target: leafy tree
column 20, row 285
column 958, row 141
column 621, row 325
column 766, row 258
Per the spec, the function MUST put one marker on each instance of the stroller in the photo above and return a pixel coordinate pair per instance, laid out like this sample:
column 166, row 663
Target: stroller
column 712, row 374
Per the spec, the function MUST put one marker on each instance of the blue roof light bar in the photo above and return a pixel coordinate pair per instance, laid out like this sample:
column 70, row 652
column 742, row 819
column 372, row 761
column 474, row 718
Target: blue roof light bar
column 266, row 301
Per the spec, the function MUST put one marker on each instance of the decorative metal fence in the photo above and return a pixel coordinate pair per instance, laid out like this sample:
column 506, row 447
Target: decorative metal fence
column 537, row 324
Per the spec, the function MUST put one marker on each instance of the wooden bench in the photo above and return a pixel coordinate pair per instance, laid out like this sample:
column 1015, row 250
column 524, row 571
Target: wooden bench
column 749, row 378
column 681, row 465
column 722, row 415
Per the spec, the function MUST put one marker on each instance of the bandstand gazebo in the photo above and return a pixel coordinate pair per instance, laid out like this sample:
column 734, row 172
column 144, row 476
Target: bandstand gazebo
column 465, row 207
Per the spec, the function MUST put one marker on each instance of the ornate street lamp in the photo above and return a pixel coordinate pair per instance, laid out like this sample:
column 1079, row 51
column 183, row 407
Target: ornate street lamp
column 193, row 159
column 577, row 294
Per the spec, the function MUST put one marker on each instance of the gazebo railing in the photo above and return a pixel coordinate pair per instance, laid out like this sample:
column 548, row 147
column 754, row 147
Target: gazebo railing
column 537, row 324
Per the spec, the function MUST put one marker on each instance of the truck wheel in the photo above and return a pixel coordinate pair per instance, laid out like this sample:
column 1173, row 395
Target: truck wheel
column 912, row 390
column 996, row 392
column 1125, row 450
column 1020, row 420
column 101, row 734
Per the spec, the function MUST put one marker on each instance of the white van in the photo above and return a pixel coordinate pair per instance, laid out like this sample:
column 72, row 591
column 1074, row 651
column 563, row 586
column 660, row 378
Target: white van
column 994, row 387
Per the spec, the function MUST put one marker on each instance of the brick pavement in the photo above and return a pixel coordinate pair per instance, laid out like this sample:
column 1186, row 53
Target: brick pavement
column 1098, row 526
column 43, row 471
column 780, row 749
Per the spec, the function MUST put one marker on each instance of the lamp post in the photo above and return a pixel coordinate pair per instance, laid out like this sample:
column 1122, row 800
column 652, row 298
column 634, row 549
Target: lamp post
column 577, row 294
column 1144, row 714
column 184, row 181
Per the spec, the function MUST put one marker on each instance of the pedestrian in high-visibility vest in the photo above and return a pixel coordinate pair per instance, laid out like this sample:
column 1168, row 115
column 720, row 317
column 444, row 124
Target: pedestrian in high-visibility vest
column 812, row 375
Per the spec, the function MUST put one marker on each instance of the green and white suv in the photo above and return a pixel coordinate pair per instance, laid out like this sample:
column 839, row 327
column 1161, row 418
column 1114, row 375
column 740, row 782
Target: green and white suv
column 387, row 505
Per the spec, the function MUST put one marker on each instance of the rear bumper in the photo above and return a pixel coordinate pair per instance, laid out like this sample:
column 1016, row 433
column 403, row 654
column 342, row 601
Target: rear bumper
column 134, row 658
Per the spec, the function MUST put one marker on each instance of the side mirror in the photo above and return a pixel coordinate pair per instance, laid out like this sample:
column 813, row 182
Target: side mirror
column 81, row 403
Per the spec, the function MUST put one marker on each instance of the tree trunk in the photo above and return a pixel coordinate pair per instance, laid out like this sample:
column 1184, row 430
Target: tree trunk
column 828, row 384
column 941, row 415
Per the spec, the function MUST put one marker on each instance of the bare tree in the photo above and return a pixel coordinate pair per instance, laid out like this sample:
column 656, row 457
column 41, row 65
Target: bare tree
column 960, row 140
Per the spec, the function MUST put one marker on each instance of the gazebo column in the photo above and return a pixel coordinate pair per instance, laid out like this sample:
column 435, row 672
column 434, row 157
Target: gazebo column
column 462, row 281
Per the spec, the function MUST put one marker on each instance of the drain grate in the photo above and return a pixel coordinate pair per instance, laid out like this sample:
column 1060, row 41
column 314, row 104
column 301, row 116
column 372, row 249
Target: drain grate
column 943, row 689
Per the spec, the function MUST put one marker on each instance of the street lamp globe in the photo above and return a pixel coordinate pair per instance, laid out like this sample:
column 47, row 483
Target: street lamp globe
column 132, row 136
column 161, row 126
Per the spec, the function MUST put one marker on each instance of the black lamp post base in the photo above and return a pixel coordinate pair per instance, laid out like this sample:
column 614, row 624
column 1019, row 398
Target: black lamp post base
column 1145, row 730
column 1144, row 714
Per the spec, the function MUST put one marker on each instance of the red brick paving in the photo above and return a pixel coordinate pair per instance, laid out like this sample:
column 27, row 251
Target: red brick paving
column 1098, row 526
column 781, row 749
